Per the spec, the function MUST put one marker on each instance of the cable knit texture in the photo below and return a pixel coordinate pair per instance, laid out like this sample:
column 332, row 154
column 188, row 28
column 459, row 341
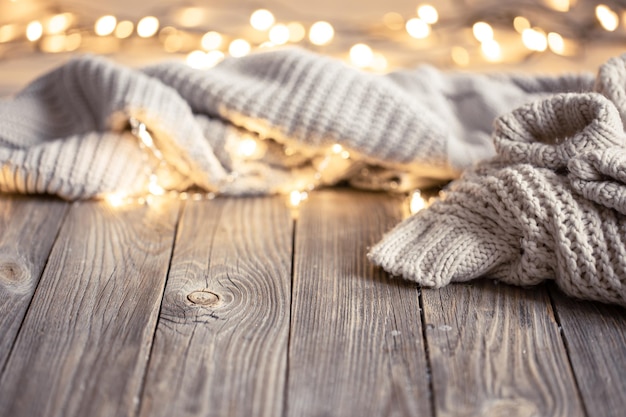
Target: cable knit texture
column 549, row 205
column 64, row 133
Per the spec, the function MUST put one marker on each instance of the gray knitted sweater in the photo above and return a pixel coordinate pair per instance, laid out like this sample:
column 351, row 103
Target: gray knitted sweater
column 549, row 184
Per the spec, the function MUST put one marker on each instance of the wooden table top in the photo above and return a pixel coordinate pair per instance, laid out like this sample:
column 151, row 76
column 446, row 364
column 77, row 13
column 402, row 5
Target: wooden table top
column 231, row 307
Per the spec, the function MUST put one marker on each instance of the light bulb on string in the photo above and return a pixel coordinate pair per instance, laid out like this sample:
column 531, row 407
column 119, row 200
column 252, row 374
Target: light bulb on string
column 124, row 29
column 262, row 19
column 34, row 30
column 211, row 40
column 428, row 14
column 607, row 17
column 417, row 28
column 482, row 31
column 147, row 27
column 321, row 33
column 361, row 55
column 239, row 48
column 105, row 25
column 279, row 34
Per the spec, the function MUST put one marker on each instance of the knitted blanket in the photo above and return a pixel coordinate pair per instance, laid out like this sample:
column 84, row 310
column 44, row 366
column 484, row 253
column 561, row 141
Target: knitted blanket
column 545, row 200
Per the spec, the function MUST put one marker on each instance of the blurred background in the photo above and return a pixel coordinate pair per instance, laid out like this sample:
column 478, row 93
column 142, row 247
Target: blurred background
column 545, row 36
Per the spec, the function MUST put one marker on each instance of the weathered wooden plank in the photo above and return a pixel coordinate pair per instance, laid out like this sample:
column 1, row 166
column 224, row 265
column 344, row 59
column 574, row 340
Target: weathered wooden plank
column 495, row 350
column 596, row 339
column 28, row 227
column 83, row 347
column 356, row 338
column 221, row 344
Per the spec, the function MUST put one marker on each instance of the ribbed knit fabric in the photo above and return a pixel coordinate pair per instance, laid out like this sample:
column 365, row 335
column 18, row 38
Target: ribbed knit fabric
column 550, row 205
column 425, row 123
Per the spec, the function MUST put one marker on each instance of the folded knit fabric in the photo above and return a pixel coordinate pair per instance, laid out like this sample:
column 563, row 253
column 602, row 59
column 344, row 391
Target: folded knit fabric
column 66, row 133
column 550, row 205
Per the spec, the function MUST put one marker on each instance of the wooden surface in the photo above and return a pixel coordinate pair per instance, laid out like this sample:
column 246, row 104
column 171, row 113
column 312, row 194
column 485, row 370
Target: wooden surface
column 231, row 307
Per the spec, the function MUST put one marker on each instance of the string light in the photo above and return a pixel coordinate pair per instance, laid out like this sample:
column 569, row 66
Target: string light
column 239, row 48
column 8, row 32
column 321, row 33
column 417, row 203
column 428, row 14
column 535, row 40
column 59, row 23
column 393, row 21
column 482, row 31
column 460, row 56
column 556, row 43
column 105, row 25
column 34, row 31
column 417, row 28
column 296, row 32
column 296, row 197
column 491, row 50
column 147, row 27
column 379, row 62
column 211, row 40
column 520, row 23
column 124, row 29
column 361, row 55
column 607, row 17
column 279, row 34
column 262, row 19
column 559, row 5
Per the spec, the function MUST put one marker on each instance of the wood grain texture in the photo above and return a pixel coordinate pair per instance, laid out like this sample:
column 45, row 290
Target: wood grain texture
column 356, row 338
column 495, row 350
column 596, row 339
column 28, row 228
column 221, row 343
column 83, row 347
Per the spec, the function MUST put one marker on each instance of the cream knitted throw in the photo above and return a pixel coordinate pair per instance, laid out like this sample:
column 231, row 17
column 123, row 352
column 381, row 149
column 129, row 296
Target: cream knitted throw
column 549, row 205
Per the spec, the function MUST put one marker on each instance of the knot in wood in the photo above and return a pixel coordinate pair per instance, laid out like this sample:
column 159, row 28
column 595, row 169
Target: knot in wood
column 204, row 298
column 12, row 272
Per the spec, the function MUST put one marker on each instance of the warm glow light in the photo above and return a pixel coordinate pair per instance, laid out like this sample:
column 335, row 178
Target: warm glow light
column 246, row 148
column 428, row 13
column 214, row 57
column 115, row 200
column 417, row 28
column 520, row 24
column 556, row 43
column 535, row 40
column 296, row 32
column 361, row 55
column 491, row 50
column 296, row 197
column 154, row 187
column 124, row 29
column 321, row 33
column 607, row 17
column 460, row 56
column 379, row 63
column 196, row 59
column 336, row 148
column 59, row 23
column 417, row 203
column 482, row 31
column 262, row 19
column 73, row 41
column 239, row 48
column 8, row 33
column 559, row 5
column 393, row 20
column 191, row 16
column 211, row 40
column 34, row 30
column 105, row 25
column 147, row 26
column 279, row 34
column 53, row 43
column 173, row 42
